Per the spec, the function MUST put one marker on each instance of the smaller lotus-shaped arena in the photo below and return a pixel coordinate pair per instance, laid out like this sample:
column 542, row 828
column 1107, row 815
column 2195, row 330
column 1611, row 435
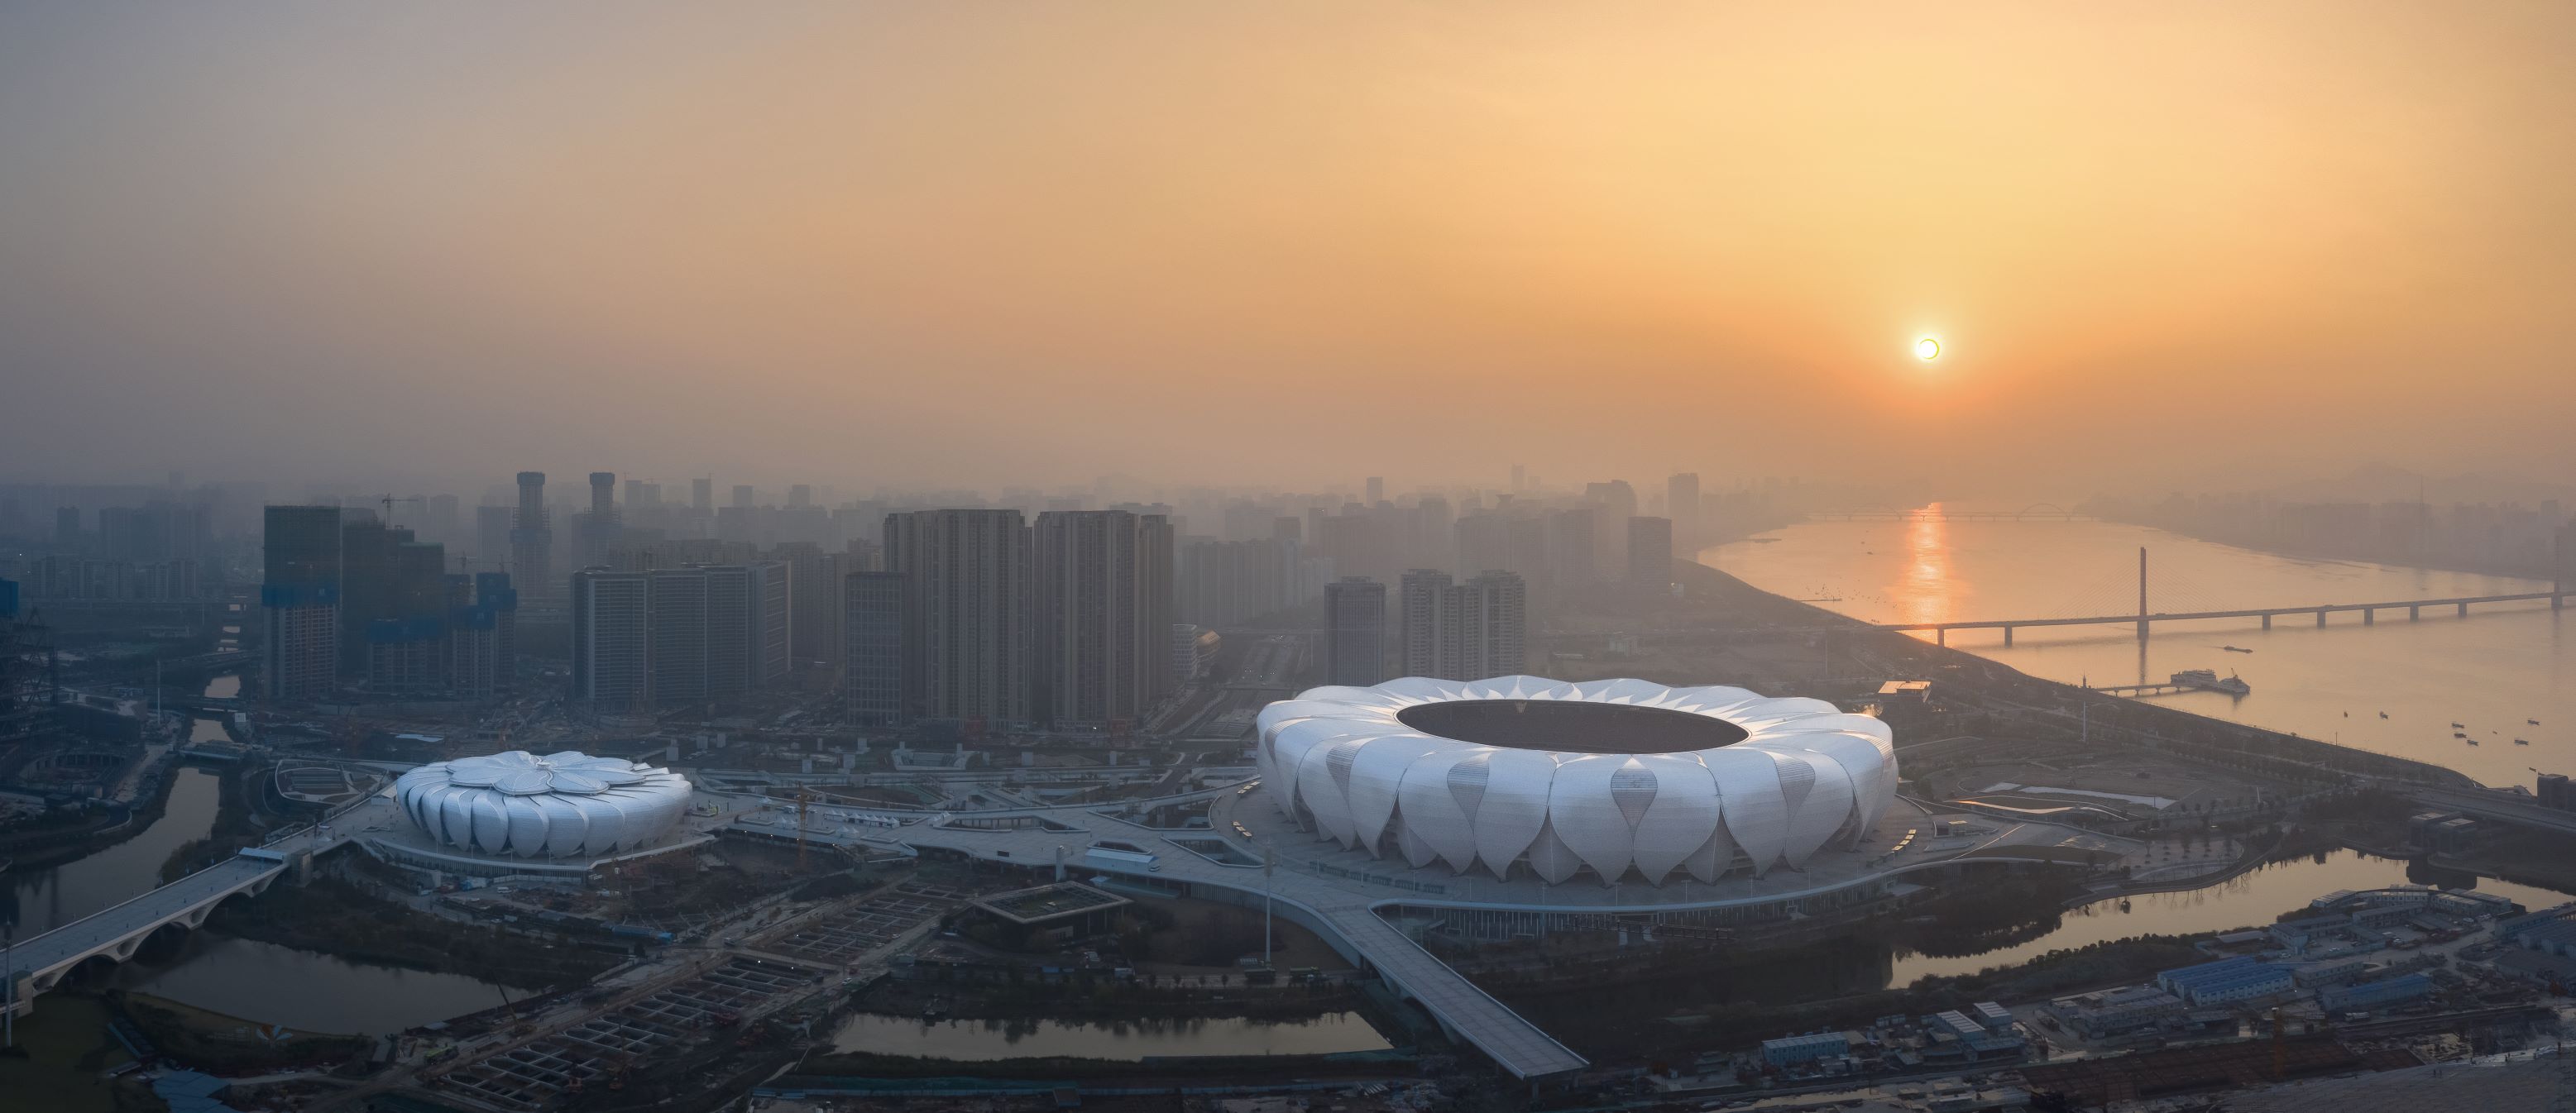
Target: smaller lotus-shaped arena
column 562, row 805
column 1614, row 777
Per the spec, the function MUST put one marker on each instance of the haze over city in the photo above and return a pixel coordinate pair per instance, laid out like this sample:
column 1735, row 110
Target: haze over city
column 956, row 247
column 1327, row 558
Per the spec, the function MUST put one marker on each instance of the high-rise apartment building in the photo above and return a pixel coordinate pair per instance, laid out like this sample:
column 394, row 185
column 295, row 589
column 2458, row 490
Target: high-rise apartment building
column 532, row 543
column 1573, row 547
column 1681, row 504
column 1227, row 583
column 702, row 494
column 1650, row 554
column 596, row 531
column 1463, row 631
column 1618, row 502
column 1103, row 597
column 492, row 535
column 770, row 622
column 680, row 643
column 704, row 633
column 742, row 496
column 1354, row 632
column 405, row 638
column 966, row 614
column 1376, row 489
column 299, row 597
column 872, row 653
column 611, row 640
column 482, row 635
column 1418, row 604
column 818, row 579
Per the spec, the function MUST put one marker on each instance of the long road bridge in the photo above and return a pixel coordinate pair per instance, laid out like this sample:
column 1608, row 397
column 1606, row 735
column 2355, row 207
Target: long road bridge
column 116, row 932
column 2142, row 618
column 2038, row 512
column 2414, row 609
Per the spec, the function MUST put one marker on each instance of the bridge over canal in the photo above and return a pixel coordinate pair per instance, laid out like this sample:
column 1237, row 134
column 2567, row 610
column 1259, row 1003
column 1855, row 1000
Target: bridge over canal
column 38, row 964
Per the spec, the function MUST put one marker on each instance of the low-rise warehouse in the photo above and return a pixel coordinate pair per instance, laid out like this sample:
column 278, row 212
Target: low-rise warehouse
column 2230, row 979
column 1790, row 1051
column 2373, row 995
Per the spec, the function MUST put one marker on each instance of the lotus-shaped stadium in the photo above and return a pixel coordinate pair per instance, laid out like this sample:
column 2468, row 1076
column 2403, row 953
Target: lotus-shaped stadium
column 1617, row 777
column 562, row 805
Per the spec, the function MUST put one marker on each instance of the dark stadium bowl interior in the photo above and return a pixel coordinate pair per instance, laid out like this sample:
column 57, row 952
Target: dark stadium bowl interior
column 1570, row 727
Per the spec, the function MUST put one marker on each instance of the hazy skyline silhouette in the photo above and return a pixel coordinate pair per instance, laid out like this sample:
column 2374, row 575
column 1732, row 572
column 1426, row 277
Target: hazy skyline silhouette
column 951, row 247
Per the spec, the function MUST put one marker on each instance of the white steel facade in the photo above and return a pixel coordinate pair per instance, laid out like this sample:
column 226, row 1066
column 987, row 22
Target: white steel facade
column 1805, row 775
column 519, row 805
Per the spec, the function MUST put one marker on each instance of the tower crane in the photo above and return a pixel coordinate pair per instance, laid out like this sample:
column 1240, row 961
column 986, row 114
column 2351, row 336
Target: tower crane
column 388, row 501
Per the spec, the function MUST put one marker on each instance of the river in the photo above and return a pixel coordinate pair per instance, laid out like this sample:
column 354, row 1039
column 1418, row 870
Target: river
column 1125, row 1040
column 262, row 982
column 2253, row 899
column 2491, row 672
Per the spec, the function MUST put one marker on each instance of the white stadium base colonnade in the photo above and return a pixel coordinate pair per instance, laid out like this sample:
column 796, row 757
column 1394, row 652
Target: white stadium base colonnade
column 1347, row 891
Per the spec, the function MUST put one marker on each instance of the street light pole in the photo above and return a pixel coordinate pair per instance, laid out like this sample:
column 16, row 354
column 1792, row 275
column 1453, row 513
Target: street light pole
column 1269, row 862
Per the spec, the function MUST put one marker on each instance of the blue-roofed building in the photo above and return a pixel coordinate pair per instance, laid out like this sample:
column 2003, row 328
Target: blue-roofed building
column 2550, row 931
column 2310, row 975
column 2231, row 979
column 2373, row 995
column 1793, row 1050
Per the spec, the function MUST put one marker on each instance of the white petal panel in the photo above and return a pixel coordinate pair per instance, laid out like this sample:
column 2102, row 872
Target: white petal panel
column 1582, row 814
column 1552, row 860
column 1682, row 817
column 1377, row 773
column 1749, row 803
column 1514, row 806
column 1826, row 808
column 1437, row 799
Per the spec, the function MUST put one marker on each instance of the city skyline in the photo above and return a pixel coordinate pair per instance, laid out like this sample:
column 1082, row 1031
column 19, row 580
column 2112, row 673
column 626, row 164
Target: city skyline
column 1183, row 558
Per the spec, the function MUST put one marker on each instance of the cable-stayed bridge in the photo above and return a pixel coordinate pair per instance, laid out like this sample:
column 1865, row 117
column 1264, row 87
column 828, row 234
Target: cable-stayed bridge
column 2143, row 617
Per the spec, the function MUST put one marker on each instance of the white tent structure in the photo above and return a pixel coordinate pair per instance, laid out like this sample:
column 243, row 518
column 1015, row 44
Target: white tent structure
column 1610, row 776
column 563, row 805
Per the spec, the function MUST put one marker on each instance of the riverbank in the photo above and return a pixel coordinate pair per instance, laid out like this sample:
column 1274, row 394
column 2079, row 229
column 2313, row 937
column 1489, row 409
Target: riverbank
column 1692, row 1011
column 45, row 849
column 1973, row 682
column 67, row 1051
column 218, row 1042
column 335, row 917
column 1103, row 1000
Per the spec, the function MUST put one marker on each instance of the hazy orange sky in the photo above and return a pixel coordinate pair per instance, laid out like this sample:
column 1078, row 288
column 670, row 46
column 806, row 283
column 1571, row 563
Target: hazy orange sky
column 1292, row 244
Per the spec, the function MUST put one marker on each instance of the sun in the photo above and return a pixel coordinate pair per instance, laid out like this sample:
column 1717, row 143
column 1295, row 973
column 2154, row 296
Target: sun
column 1927, row 349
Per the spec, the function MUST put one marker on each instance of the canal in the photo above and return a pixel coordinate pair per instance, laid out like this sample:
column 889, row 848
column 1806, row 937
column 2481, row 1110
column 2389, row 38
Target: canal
column 261, row 982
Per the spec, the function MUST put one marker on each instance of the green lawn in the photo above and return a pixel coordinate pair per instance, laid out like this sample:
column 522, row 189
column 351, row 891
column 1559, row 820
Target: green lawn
column 68, row 1049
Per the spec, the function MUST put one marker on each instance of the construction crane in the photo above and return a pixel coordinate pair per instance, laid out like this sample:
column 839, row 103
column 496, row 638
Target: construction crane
column 388, row 501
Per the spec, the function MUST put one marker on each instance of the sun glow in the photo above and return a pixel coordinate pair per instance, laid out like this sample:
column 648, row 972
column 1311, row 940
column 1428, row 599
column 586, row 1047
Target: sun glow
column 1927, row 349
